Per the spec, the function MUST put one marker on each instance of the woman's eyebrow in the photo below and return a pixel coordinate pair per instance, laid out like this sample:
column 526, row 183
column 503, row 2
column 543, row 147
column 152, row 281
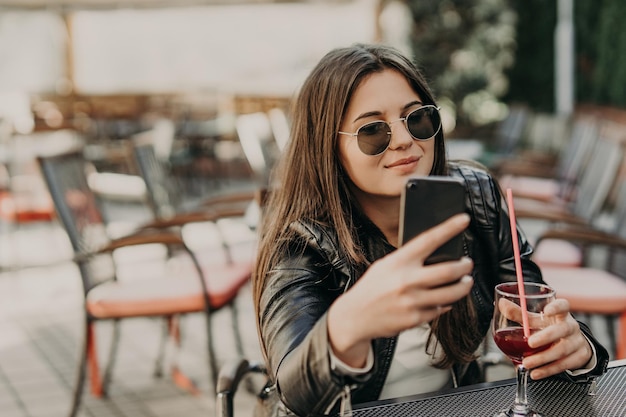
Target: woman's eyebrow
column 413, row 103
column 377, row 113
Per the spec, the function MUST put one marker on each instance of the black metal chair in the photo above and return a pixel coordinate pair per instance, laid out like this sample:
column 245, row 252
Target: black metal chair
column 163, row 197
column 192, row 288
column 231, row 375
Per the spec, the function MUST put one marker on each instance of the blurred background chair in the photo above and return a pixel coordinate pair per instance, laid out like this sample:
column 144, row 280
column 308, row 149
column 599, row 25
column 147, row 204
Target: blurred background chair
column 200, row 218
column 280, row 126
column 181, row 286
column 599, row 179
column 25, row 202
column 530, row 176
column 259, row 145
column 162, row 195
column 507, row 136
column 599, row 290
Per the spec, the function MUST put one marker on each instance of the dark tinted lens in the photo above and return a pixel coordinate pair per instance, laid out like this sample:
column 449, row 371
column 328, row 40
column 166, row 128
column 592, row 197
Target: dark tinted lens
column 373, row 138
column 424, row 123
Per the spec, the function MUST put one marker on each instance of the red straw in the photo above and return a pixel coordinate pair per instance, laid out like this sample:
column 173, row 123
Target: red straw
column 518, row 263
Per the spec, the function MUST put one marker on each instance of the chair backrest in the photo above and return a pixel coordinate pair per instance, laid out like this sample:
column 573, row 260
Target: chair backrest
column 280, row 126
column 258, row 144
column 600, row 174
column 510, row 131
column 617, row 262
column 77, row 208
column 162, row 198
column 575, row 155
column 547, row 132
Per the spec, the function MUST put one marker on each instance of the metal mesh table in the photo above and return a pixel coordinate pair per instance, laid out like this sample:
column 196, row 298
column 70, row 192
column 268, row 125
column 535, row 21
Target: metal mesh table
column 550, row 397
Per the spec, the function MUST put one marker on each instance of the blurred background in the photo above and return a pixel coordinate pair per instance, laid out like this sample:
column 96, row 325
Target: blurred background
column 529, row 88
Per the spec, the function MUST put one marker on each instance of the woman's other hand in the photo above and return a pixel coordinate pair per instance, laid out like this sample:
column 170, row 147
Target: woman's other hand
column 570, row 349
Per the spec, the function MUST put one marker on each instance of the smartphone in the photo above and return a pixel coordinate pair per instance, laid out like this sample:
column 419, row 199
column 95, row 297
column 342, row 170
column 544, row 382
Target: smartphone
column 426, row 202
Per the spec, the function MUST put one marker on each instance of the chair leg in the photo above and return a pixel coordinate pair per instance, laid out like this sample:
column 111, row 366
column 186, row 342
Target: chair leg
column 178, row 377
column 621, row 342
column 80, row 373
column 234, row 311
column 184, row 382
column 211, row 352
column 158, row 364
column 92, row 361
column 106, row 379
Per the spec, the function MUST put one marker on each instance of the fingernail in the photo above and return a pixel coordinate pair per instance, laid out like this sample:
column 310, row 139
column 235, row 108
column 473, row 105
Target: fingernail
column 466, row 279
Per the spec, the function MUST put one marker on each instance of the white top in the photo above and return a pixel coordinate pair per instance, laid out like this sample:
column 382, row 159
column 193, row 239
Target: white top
column 411, row 370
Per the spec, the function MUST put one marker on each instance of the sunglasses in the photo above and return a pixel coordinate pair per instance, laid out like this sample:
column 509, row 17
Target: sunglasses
column 422, row 124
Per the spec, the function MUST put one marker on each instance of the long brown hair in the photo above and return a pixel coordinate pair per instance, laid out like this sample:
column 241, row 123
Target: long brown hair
column 312, row 185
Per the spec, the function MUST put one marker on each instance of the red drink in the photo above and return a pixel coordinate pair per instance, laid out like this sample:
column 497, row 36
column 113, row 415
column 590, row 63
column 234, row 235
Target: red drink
column 513, row 343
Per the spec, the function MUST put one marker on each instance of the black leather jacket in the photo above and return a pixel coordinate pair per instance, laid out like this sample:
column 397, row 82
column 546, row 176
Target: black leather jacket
column 313, row 274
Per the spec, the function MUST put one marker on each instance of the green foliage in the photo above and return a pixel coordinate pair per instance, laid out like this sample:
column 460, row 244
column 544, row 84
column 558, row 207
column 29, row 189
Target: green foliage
column 531, row 80
column 610, row 72
column 586, row 23
column 479, row 53
column 463, row 47
column 600, row 63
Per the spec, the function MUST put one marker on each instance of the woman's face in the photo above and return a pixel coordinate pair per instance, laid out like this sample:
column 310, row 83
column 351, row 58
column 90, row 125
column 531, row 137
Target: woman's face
column 385, row 96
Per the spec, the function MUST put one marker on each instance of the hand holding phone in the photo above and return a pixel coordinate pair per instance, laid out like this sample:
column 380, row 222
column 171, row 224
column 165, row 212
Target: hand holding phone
column 426, row 202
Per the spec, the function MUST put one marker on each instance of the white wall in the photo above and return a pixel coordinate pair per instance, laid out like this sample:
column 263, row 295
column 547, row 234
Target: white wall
column 242, row 46
column 32, row 51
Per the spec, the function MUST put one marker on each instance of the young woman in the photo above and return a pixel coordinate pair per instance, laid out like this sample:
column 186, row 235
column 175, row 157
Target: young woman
column 344, row 314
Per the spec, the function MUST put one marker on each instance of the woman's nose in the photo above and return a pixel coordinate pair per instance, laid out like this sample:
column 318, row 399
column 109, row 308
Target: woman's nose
column 400, row 136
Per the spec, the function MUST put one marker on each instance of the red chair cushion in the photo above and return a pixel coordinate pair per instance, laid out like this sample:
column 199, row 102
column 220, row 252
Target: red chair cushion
column 543, row 189
column 556, row 252
column 588, row 290
column 167, row 295
column 23, row 210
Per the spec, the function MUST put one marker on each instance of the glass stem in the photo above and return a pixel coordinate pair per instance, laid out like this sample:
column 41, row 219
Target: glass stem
column 520, row 407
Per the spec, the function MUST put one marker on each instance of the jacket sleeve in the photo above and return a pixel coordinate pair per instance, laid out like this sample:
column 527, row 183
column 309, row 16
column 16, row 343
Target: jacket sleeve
column 293, row 307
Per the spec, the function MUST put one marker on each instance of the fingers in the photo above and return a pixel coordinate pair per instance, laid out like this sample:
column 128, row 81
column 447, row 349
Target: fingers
column 569, row 349
column 513, row 312
column 558, row 308
column 445, row 295
column 441, row 274
column 427, row 315
column 570, row 353
column 427, row 242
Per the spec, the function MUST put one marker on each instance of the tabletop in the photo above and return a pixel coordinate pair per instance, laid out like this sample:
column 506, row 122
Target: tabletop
column 551, row 397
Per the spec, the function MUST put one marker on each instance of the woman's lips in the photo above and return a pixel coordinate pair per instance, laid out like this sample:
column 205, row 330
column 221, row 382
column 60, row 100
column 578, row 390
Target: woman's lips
column 404, row 162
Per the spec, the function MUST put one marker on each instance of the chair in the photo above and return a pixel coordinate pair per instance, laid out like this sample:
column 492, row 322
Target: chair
column 600, row 173
column 531, row 177
column 232, row 373
column 280, row 126
column 594, row 188
column 24, row 201
column 258, row 143
column 596, row 290
column 508, row 135
column 192, row 288
column 164, row 200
